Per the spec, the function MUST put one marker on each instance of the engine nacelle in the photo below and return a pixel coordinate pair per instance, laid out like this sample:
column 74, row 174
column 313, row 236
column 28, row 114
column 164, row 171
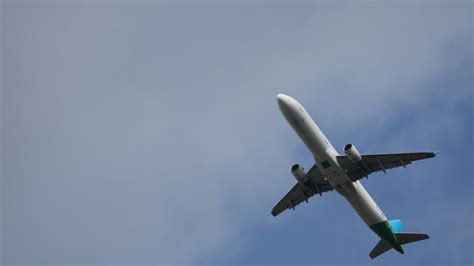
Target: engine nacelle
column 299, row 173
column 352, row 153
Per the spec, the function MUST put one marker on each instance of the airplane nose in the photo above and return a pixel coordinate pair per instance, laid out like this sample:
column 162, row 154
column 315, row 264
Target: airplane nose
column 282, row 101
column 281, row 98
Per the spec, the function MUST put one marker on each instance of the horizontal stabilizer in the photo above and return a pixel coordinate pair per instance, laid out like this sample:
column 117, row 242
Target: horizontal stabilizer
column 379, row 249
column 402, row 238
column 405, row 238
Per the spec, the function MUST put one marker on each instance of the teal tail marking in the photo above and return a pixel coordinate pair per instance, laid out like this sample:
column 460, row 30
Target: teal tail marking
column 392, row 237
column 396, row 225
column 384, row 231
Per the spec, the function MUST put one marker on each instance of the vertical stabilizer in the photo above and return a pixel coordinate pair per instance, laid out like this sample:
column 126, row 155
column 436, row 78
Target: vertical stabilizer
column 396, row 225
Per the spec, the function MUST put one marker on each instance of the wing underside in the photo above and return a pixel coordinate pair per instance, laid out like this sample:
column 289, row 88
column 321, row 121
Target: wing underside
column 302, row 192
column 370, row 163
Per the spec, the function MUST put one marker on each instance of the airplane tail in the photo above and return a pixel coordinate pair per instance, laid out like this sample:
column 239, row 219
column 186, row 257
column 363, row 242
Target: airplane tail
column 402, row 238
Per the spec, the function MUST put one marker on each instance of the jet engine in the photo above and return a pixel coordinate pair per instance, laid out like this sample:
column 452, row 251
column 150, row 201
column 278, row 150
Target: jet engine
column 352, row 153
column 299, row 173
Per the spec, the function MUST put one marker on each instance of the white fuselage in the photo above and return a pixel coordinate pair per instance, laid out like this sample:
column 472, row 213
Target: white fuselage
column 325, row 156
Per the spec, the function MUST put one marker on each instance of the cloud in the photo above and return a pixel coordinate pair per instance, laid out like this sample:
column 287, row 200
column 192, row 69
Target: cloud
column 149, row 133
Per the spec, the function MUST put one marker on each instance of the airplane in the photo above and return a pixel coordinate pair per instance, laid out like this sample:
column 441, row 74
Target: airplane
column 342, row 173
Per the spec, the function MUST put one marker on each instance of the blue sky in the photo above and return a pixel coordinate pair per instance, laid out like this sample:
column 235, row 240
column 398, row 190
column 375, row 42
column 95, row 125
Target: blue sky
column 148, row 133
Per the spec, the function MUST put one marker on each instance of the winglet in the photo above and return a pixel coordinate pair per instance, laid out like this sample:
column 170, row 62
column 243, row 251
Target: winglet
column 433, row 154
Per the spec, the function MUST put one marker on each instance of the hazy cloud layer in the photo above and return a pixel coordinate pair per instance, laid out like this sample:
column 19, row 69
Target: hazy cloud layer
column 149, row 133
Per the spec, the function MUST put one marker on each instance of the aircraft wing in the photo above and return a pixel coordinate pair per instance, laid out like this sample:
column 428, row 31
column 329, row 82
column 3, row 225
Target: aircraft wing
column 302, row 192
column 372, row 163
